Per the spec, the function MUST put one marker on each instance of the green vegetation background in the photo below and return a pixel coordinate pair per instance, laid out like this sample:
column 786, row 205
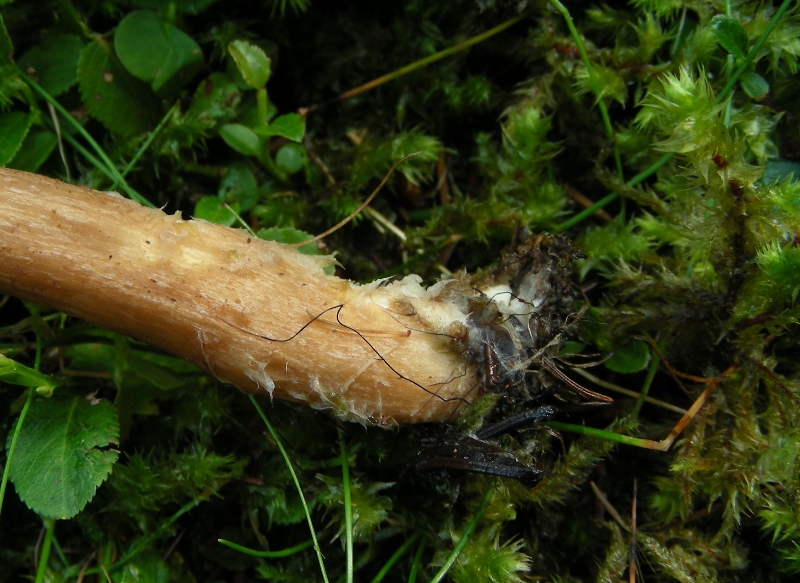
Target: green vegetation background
column 675, row 121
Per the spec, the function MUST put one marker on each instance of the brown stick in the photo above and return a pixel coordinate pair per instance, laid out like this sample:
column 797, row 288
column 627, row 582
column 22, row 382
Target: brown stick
column 253, row 313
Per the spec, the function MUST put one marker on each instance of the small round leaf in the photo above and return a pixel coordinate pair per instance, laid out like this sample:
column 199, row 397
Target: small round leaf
column 209, row 208
column 291, row 158
column 630, row 358
column 156, row 52
column 240, row 138
column 290, row 126
column 239, row 185
column 290, row 236
column 252, row 62
column 754, row 85
column 730, row 35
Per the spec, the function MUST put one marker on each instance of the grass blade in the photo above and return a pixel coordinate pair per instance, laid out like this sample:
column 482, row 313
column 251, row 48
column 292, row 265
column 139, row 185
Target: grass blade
column 277, row 440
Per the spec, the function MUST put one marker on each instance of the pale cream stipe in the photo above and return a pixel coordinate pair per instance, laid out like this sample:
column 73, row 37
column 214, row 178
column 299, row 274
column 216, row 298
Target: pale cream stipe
column 223, row 300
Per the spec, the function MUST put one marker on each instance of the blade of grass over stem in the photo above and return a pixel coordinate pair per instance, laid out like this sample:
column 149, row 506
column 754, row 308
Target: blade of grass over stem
column 650, row 170
column 91, row 158
column 240, row 220
column 587, row 212
column 348, row 508
column 60, row 552
column 31, row 393
column 44, row 555
column 462, row 542
column 396, row 74
column 600, row 433
column 677, row 43
column 361, row 207
column 49, row 523
column 13, row 445
column 267, row 554
column 299, row 488
column 109, row 165
column 627, row 392
column 145, row 542
column 415, row 564
column 652, row 369
column 57, row 127
column 146, row 144
column 592, row 81
column 396, row 556
column 748, row 59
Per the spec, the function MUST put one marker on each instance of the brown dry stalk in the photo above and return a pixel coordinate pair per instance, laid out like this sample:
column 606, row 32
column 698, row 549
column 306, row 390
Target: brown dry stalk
column 253, row 313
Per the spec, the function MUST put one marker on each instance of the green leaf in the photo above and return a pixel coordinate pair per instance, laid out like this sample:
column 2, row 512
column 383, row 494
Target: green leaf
column 252, row 62
column 290, row 126
column 34, row 151
column 754, row 85
column 53, row 63
column 730, row 35
column 290, row 236
column 291, row 158
column 630, row 358
column 14, row 126
column 156, row 52
column 240, row 138
column 60, row 458
column 209, row 208
column 14, row 373
column 160, row 376
column 91, row 356
column 121, row 102
column 215, row 100
column 239, row 185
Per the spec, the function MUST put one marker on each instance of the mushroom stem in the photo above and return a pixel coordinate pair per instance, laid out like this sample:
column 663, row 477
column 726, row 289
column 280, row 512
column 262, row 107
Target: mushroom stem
column 255, row 314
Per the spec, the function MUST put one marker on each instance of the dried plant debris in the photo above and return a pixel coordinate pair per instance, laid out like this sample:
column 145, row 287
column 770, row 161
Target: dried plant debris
column 520, row 314
column 526, row 310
